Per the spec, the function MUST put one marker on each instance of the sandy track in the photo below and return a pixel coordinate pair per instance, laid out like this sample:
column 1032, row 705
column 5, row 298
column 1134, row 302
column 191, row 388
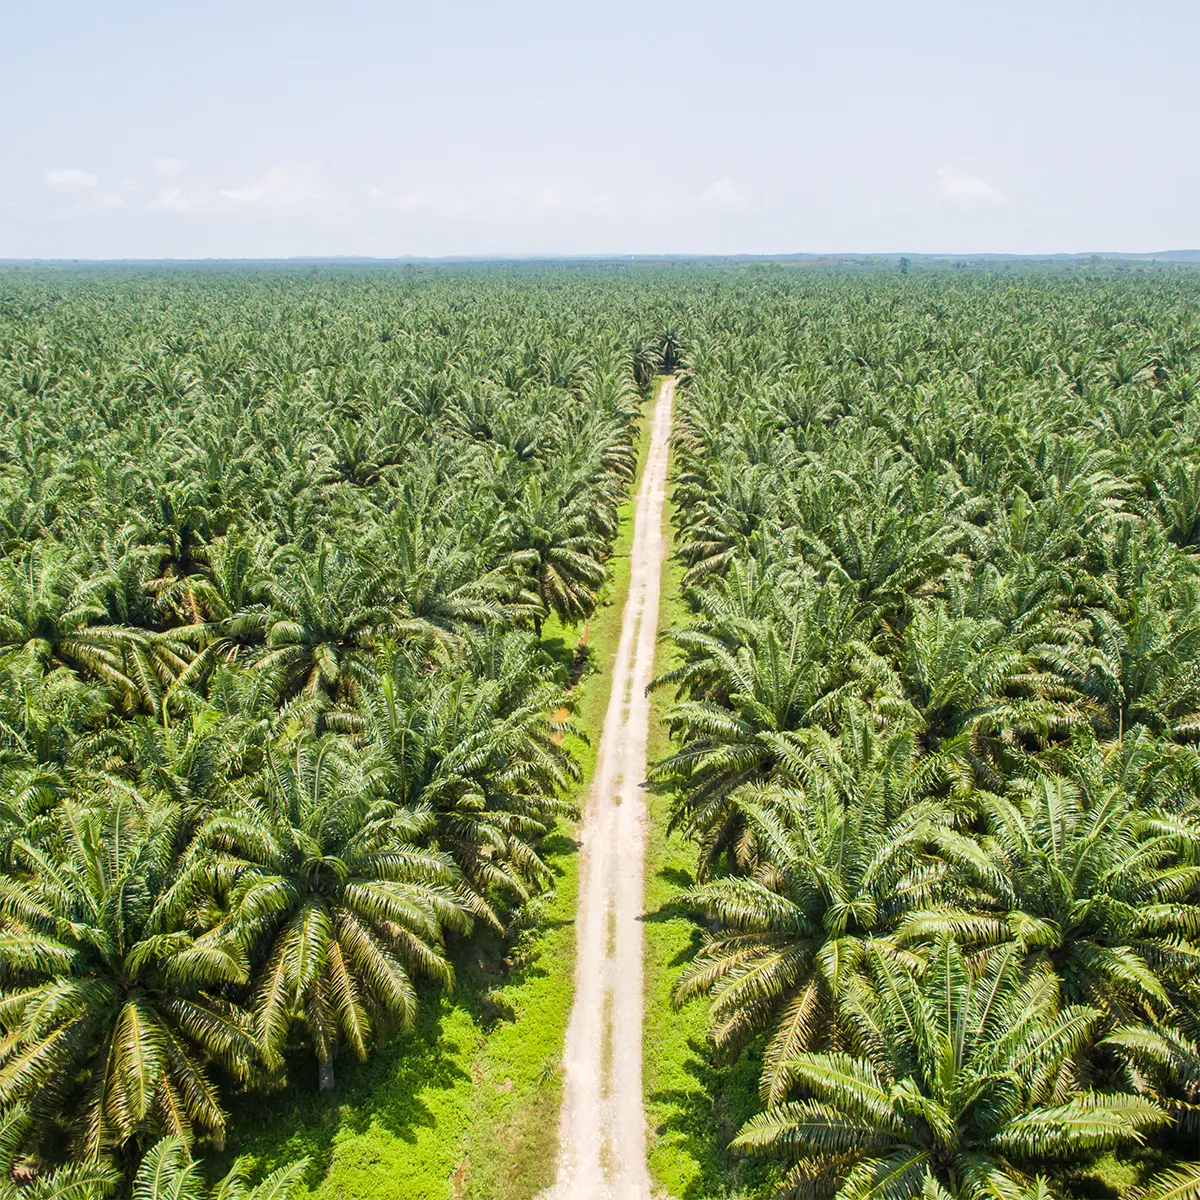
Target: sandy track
column 602, row 1152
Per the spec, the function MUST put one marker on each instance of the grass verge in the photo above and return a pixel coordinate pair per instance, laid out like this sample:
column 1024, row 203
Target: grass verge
column 465, row 1105
column 693, row 1107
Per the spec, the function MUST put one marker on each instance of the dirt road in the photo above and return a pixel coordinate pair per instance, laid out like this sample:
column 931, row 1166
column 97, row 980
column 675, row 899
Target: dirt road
column 602, row 1153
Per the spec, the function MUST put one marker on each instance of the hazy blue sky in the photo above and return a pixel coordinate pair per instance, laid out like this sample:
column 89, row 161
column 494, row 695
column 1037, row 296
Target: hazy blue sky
column 262, row 129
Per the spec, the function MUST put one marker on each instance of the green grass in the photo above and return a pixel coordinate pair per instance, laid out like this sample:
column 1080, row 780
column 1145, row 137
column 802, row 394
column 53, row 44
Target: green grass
column 693, row 1107
column 464, row 1106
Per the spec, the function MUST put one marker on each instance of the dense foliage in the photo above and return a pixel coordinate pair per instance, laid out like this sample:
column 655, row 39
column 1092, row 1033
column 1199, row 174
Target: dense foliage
column 277, row 729
column 937, row 722
column 280, row 732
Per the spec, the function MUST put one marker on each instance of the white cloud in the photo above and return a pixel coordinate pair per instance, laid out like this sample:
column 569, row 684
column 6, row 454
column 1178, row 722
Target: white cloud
column 77, row 194
column 284, row 190
column 70, row 177
column 496, row 202
column 547, row 197
column 167, row 166
column 279, row 191
column 411, row 202
column 177, row 200
column 960, row 188
column 499, row 198
column 723, row 194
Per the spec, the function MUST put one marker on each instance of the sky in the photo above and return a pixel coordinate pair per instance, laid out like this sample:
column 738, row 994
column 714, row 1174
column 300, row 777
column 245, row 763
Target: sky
column 270, row 129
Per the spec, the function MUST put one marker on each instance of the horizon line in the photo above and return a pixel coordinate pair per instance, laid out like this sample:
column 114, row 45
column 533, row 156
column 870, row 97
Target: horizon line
column 1182, row 255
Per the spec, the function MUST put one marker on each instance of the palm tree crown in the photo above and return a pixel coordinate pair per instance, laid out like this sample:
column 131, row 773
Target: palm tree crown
column 960, row 1082
column 112, row 1012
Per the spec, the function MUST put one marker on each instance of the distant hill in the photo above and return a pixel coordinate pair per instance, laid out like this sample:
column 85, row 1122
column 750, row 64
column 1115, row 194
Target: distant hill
column 1164, row 256
column 1161, row 256
column 1180, row 256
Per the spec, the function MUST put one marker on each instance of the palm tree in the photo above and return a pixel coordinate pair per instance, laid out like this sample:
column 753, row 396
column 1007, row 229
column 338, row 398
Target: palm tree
column 326, row 615
column 75, row 1181
column 671, row 351
column 735, row 514
column 111, row 1011
column 360, row 456
column 966, row 675
column 751, row 686
column 485, row 767
column 339, row 905
column 1160, row 1061
column 890, row 558
column 963, row 1079
column 174, row 540
column 1176, row 1183
column 1102, row 891
column 49, row 718
column 436, row 582
column 54, row 616
column 169, row 1173
column 229, row 616
column 833, row 880
column 553, row 545
column 1177, row 487
column 737, row 608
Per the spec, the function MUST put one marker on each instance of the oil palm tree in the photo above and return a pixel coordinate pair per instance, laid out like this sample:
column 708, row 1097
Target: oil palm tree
column 1103, row 891
column 112, row 1012
column 975, row 683
column 49, row 717
column 554, row 547
column 1181, row 1182
column 173, row 541
column 56, row 616
column 339, row 905
column 74, row 1181
column 1137, row 661
column 229, row 615
column 962, row 1078
column 169, row 1173
column 326, row 614
column 834, row 880
column 891, row 558
column 736, row 513
column 488, row 772
column 437, row 583
column 750, row 687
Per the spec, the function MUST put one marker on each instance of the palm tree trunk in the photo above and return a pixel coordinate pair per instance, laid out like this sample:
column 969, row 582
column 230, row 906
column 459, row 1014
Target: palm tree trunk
column 324, row 1073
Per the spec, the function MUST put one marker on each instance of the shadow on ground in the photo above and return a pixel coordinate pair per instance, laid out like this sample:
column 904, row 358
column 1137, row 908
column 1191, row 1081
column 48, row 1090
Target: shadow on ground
column 418, row 1083
column 705, row 1116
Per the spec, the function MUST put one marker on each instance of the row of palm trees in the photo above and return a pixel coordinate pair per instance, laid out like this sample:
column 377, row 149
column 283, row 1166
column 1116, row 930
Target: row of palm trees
column 276, row 727
column 936, row 725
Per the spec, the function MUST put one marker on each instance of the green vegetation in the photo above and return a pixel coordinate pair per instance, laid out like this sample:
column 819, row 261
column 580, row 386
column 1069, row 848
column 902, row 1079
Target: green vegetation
column 694, row 1106
column 284, row 758
column 935, row 723
column 168, row 1172
column 467, row 1103
column 309, row 584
